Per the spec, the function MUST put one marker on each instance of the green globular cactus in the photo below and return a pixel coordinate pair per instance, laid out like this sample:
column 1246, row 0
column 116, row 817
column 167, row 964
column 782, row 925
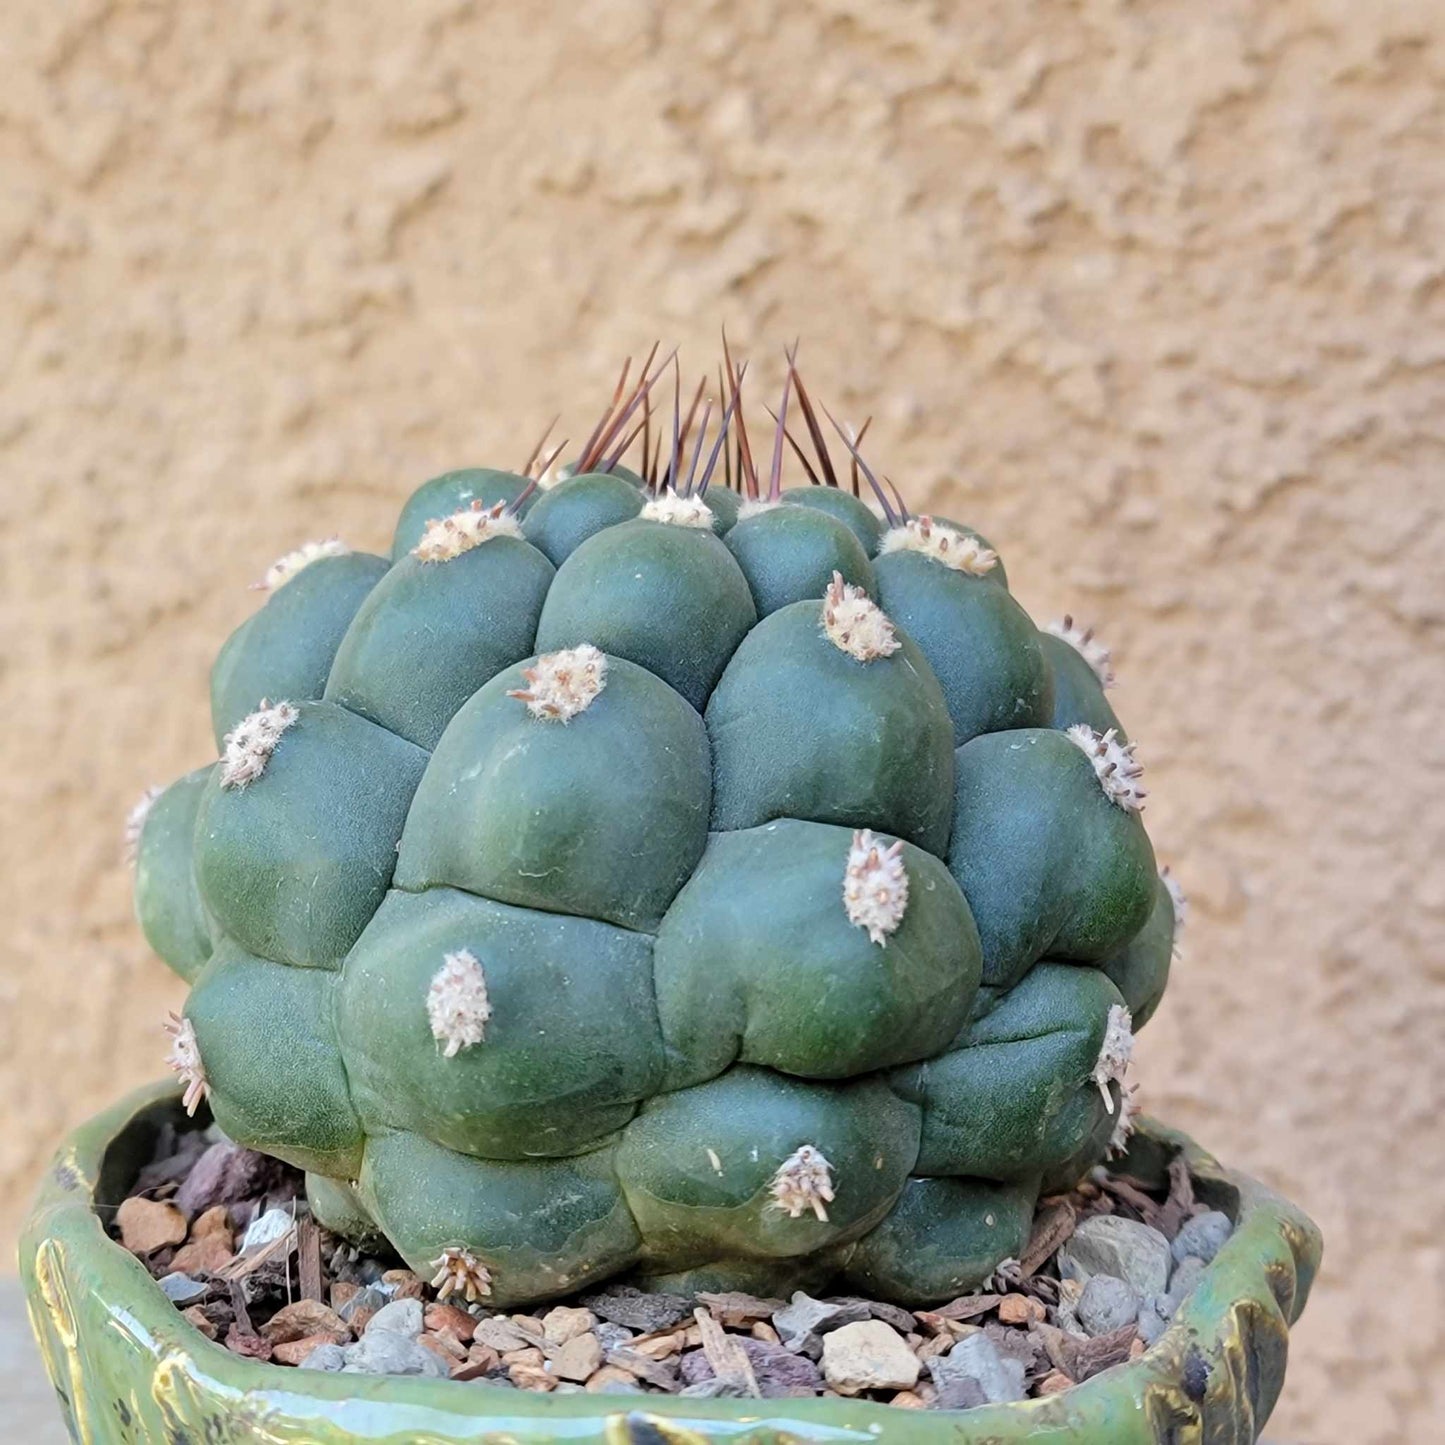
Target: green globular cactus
column 664, row 872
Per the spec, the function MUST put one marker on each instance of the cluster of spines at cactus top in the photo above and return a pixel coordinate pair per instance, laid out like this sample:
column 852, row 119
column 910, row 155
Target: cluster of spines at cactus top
column 664, row 871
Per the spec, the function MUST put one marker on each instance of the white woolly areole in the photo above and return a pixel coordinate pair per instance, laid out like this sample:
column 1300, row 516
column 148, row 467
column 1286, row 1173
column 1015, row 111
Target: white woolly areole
column 854, row 623
column 677, row 511
column 804, row 1181
column 1125, row 1123
column 249, row 745
column 562, row 684
column 1115, row 765
column 940, row 543
column 283, row 569
column 1083, row 641
column 457, row 1005
column 448, row 537
column 184, row 1060
column 1115, row 1053
column 1177, row 896
column 756, row 506
column 460, row 1272
column 135, row 821
column 875, row 886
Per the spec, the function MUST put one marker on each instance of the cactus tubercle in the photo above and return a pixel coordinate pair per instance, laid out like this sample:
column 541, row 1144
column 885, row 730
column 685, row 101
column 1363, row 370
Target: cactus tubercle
column 460, row 1272
column 854, row 623
column 1088, row 646
column 249, row 745
column 875, row 886
column 457, row 1005
column 563, row 684
column 448, row 537
column 184, row 1060
column 940, row 543
column 1114, row 764
column 804, row 1181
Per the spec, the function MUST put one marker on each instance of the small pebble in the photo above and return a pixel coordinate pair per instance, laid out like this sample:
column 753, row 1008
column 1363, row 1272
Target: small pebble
column 1151, row 1323
column 401, row 1317
column 385, row 1352
column 977, row 1358
column 1202, row 1236
column 1107, row 1304
column 364, row 1302
column 267, row 1229
column 1124, row 1248
column 1181, row 1284
column 868, row 1355
column 330, row 1358
column 147, row 1225
column 181, row 1289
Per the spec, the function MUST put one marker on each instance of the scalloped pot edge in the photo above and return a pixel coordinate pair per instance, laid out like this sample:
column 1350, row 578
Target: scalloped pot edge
column 128, row 1368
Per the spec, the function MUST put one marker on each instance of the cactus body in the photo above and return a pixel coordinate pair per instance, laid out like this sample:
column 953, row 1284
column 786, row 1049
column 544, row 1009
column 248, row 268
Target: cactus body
column 631, row 876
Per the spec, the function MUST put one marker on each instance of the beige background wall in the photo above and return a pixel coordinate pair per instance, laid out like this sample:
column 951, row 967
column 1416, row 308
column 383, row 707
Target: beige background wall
column 1152, row 292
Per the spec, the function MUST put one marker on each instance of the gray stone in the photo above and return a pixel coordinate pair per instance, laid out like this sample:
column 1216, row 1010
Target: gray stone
column 612, row 1337
column 385, row 1352
column 714, row 1388
column 803, row 1321
column 267, row 1229
column 182, row 1290
column 1124, row 1248
column 964, row 1393
column 331, row 1358
column 977, row 1358
column 639, row 1310
column 1151, row 1323
column 1181, row 1284
column 401, row 1317
column 1202, row 1236
column 1107, row 1304
column 373, row 1297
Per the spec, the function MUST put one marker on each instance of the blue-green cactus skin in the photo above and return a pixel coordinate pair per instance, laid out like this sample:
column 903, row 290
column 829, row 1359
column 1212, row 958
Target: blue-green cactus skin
column 1079, row 696
column 431, row 633
column 286, row 650
column 1050, row 867
column 577, row 508
column 979, row 642
column 167, row 898
column 668, row 598
column 790, row 554
column 872, row 747
column 856, row 515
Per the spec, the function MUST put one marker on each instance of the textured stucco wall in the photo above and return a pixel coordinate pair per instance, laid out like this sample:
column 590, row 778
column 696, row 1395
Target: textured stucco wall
column 1152, row 292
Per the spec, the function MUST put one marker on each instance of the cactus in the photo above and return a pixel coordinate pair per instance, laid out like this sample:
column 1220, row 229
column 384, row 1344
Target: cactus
column 664, row 872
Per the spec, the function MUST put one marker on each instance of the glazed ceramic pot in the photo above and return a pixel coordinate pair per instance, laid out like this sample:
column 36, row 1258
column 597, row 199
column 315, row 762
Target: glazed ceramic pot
column 128, row 1368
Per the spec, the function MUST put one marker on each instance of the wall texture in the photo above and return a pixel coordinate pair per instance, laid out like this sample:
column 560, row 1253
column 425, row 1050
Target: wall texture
column 1152, row 292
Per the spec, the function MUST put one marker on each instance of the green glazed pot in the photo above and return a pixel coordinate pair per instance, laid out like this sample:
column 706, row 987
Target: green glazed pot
column 128, row 1368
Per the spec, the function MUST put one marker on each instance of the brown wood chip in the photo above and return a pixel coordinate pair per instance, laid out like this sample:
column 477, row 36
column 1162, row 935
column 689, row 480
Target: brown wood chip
column 727, row 1357
column 308, row 1257
column 965, row 1307
column 1052, row 1227
column 733, row 1308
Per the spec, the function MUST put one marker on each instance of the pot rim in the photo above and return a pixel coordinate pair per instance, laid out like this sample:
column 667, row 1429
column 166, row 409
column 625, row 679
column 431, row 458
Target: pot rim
column 94, row 1307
